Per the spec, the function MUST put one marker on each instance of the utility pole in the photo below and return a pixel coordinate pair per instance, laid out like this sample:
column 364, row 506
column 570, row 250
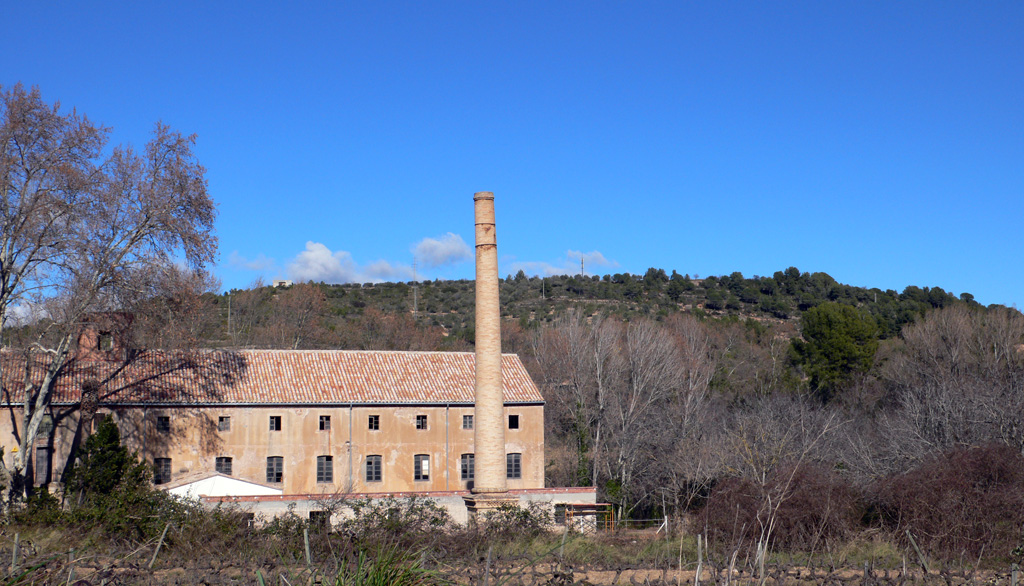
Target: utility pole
column 415, row 289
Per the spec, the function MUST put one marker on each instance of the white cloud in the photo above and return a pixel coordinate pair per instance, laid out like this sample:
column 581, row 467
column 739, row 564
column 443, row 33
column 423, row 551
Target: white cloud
column 443, row 250
column 383, row 270
column 318, row 263
column 24, row 313
column 593, row 258
column 260, row 263
column 570, row 265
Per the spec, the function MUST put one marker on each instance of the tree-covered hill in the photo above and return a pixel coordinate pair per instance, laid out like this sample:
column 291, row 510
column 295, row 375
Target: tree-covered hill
column 530, row 301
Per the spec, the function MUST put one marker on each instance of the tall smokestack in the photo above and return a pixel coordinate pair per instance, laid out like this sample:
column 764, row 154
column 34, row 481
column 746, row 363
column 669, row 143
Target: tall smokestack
column 489, row 414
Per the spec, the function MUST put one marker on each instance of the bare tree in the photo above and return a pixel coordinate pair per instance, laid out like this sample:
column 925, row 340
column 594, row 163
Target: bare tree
column 957, row 380
column 751, row 358
column 580, row 364
column 296, row 319
column 653, row 373
column 375, row 330
column 773, row 435
column 696, row 362
column 180, row 315
column 81, row 233
column 248, row 313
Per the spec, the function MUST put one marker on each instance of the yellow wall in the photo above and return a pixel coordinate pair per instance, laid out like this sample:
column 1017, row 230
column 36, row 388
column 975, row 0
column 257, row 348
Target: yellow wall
column 194, row 442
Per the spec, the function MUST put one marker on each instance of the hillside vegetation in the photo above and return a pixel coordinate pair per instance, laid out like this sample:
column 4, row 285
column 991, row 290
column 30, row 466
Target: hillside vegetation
column 790, row 411
column 533, row 301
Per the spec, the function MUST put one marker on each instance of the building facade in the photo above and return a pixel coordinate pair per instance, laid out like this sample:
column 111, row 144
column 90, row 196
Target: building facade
column 305, row 422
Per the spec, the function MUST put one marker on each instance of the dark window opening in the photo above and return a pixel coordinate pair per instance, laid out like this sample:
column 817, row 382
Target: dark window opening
column 467, row 422
column 224, row 423
column 421, row 422
column 320, row 519
column 374, row 422
column 45, row 426
column 42, row 470
column 374, row 468
column 468, row 465
column 325, row 468
column 560, row 514
column 163, row 423
column 325, row 423
column 105, row 341
column 275, row 469
column 513, row 422
column 223, row 465
column 514, row 466
column 161, row 470
column 421, row 467
column 275, row 423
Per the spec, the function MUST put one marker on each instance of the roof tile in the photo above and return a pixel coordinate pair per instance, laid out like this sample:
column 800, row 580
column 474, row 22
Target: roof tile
column 282, row 377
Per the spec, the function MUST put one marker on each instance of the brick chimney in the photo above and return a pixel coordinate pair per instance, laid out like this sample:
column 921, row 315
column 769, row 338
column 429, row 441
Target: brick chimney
column 490, row 489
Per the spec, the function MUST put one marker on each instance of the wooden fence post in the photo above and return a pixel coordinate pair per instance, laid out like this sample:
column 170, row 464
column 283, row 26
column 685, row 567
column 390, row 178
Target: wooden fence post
column 487, row 568
column 159, row 545
column 561, row 548
column 14, row 554
column 71, row 566
column 700, row 562
column 920, row 556
column 305, row 539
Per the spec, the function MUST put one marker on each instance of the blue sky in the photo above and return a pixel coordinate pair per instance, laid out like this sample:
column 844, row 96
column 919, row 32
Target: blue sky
column 882, row 143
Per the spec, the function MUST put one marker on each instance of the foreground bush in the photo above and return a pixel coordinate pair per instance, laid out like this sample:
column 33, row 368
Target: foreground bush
column 511, row 522
column 109, row 491
column 411, row 522
column 389, row 566
column 965, row 501
column 811, row 506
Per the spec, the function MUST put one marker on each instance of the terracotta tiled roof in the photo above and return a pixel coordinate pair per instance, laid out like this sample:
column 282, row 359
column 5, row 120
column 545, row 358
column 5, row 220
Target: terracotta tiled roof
column 280, row 377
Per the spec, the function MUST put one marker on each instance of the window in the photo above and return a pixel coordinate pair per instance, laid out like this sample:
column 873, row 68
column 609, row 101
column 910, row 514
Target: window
column 223, row 465
column 320, row 519
column 45, row 426
column 223, row 423
column 467, row 422
column 275, row 469
column 374, row 468
column 560, row 514
column 105, row 341
column 421, row 467
column 163, row 423
column 513, row 422
column 468, row 463
column 325, row 423
column 275, row 423
column 325, row 468
column 161, row 470
column 513, row 466
column 374, row 422
column 421, row 422
column 42, row 465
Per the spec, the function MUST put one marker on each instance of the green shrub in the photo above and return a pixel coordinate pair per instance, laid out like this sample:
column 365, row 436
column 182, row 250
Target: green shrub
column 411, row 521
column 110, row 490
column 388, row 566
column 511, row 522
column 41, row 508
